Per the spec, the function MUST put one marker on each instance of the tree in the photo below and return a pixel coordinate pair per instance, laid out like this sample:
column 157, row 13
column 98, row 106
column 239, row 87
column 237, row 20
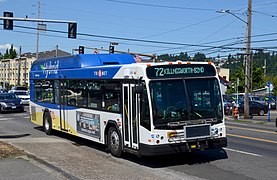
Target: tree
column 273, row 80
column 199, row 57
column 10, row 53
column 257, row 77
column 184, row 56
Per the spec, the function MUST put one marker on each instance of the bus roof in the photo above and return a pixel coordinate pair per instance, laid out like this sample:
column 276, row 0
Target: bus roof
column 82, row 60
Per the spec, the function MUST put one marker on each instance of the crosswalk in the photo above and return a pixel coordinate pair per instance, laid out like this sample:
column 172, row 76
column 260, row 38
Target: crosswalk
column 11, row 116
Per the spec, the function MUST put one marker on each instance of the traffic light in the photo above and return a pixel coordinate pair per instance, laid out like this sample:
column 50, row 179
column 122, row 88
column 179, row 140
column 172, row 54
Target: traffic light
column 81, row 49
column 111, row 49
column 8, row 24
column 72, row 30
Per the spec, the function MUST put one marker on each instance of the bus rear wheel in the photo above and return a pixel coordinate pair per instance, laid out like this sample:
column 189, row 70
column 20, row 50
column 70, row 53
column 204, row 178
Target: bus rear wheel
column 114, row 142
column 47, row 124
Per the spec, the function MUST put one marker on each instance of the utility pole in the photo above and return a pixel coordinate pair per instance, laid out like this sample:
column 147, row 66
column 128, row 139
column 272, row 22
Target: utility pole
column 19, row 67
column 57, row 48
column 264, row 67
column 37, row 51
column 248, row 59
column 25, row 72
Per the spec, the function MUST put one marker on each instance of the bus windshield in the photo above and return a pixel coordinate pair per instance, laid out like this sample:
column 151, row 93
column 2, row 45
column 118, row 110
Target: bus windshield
column 178, row 101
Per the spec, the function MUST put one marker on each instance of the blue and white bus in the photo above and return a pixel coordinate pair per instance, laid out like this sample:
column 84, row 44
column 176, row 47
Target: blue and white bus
column 142, row 108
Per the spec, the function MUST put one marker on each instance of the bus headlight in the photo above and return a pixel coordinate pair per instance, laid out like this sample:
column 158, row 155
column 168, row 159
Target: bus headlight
column 214, row 131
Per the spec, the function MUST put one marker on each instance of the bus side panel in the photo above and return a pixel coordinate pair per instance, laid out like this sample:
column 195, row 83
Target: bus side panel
column 36, row 114
column 91, row 124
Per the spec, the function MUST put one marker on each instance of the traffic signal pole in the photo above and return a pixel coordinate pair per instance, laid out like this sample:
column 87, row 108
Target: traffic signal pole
column 72, row 25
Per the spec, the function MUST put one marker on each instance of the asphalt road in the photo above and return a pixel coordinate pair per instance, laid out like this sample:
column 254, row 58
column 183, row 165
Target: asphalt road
column 251, row 154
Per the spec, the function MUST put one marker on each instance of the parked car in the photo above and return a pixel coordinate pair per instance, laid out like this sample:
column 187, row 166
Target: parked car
column 10, row 102
column 254, row 108
column 273, row 102
column 227, row 107
column 21, row 88
column 23, row 95
column 259, row 99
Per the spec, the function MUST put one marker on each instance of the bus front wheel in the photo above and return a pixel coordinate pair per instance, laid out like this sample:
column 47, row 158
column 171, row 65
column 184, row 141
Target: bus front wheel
column 47, row 124
column 114, row 142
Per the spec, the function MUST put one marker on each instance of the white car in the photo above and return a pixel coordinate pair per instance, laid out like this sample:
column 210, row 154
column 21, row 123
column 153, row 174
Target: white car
column 23, row 95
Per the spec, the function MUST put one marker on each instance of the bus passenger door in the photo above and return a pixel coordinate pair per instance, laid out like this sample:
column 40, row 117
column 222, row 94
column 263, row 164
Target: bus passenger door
column 63, row 103
column 131, row 115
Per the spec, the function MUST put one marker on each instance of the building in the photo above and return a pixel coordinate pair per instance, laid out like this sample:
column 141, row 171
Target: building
column 224, row 77
column 16, row 71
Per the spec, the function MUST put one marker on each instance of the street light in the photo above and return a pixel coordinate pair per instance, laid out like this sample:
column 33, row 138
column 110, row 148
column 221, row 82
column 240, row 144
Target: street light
column 228, row 12
column 247, row 53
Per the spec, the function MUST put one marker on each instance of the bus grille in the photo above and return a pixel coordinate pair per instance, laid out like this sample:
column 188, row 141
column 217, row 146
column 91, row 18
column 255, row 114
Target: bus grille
column 197, row 131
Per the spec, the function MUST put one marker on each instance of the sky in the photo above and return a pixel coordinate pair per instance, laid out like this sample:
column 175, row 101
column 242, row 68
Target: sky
column 143, row 26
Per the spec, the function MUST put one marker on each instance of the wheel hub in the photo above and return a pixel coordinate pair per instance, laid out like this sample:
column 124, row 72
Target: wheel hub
column 114, row 140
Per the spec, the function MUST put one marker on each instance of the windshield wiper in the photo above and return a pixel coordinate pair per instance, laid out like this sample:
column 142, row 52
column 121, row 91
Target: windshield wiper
column 178, row 123
column 193, row 112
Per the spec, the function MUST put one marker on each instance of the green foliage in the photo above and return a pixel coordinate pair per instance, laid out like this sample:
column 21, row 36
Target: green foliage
column 199, row 57
column 237, row 68
column 273, row 80
column 169, row 57
column 10, row 53
column 257, row 78
column 184, row 57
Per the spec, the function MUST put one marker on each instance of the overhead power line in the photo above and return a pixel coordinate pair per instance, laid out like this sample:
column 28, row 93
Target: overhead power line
column 266, row 14
column 132, row 39
column 183, row 27
column 265, row 4
column 162, row 6
column 159, row 42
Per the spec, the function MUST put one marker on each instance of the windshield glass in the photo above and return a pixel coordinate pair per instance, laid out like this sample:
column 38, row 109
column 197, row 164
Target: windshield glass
column 182, row 100
column 7, row 96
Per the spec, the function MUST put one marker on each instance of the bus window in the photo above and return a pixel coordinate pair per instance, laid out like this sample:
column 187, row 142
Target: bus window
column 145, row 113
column 81, row 95
column 94, row 95
column 76, row 93
column 44, row 91
column 111, row 96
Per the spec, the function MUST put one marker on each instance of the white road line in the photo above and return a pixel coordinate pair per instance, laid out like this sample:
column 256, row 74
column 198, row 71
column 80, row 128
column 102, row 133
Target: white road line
column 5, row 119
column 27, row 117
column 17, row 115
column 243, row 152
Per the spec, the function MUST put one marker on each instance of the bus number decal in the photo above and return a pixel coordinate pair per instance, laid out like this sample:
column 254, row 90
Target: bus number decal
column 160, row 72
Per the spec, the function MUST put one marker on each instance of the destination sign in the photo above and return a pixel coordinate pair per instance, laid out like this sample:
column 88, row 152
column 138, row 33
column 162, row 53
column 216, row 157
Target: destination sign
column 180, row 70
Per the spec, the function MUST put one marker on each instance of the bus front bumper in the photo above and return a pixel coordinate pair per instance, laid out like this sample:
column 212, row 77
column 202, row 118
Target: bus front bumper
column 163, row 149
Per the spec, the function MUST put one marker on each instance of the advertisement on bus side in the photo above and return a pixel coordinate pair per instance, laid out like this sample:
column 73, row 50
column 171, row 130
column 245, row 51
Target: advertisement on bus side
column 88, row 124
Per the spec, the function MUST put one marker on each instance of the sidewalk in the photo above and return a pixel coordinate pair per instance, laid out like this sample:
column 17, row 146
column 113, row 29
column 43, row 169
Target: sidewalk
column 256, row 120
column 15, row 164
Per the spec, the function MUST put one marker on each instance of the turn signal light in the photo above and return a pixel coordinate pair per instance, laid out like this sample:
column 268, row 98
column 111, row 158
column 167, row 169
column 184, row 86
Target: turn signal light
column 171, row 134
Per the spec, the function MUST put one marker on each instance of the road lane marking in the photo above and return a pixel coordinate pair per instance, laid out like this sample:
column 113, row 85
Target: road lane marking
column 5, row 119
column 251, row 129
column 243, row 152
column 18, row 115
column 252, row 138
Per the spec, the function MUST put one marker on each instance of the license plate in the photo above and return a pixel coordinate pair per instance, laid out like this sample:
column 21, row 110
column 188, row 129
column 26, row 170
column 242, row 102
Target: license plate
column 13, row 107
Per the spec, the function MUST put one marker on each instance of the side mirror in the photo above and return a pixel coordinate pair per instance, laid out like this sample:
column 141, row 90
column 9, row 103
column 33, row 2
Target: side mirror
column 139, row 89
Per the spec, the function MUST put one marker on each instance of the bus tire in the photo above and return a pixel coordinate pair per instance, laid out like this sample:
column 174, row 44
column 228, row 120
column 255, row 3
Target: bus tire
column 114, row 142
column 47, row 123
